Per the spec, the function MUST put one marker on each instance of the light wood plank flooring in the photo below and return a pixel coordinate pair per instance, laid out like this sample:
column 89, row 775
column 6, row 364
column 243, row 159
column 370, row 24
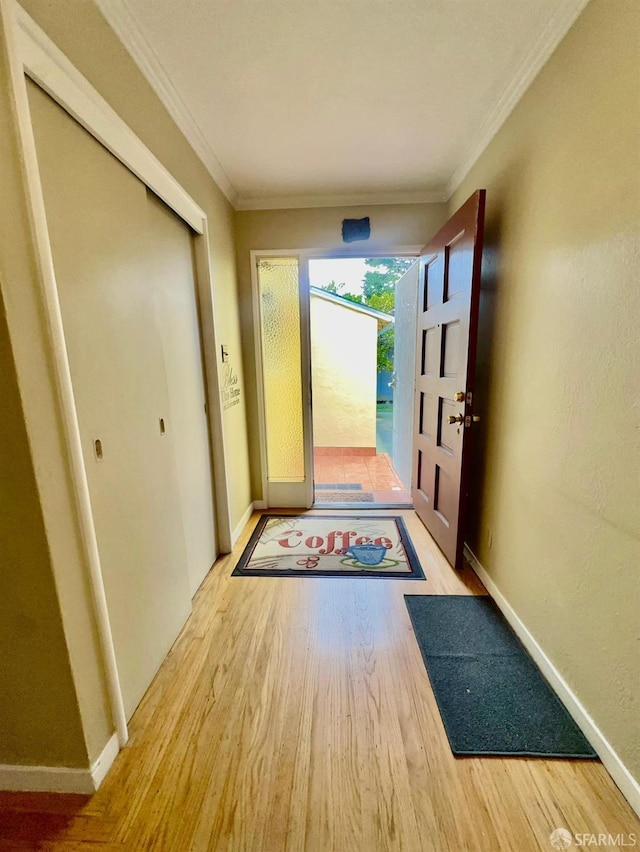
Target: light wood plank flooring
column 296, row 714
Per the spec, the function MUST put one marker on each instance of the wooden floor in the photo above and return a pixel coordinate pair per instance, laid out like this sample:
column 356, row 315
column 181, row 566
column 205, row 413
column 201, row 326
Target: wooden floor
column 296, row 714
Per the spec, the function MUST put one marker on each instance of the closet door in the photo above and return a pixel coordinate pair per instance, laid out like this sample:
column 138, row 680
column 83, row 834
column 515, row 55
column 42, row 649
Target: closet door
column 174, row 289
column 97, row 214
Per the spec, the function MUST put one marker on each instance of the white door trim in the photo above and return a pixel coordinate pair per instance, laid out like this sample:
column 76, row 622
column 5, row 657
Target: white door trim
column 257, row 344
column 286, row 493
column 31, row 52
column 47, row 66
column 303, row 256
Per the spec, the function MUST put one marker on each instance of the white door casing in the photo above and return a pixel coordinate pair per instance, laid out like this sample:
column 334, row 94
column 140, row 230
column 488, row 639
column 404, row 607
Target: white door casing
column 298, row 494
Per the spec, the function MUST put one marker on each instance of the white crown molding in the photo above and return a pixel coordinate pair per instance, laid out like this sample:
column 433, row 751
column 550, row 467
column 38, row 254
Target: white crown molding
column 124, row 25
column 128, row 31
column 47, row 65
column 628, row 785
column 532, row 63
column 291, row 202
column 60, row 779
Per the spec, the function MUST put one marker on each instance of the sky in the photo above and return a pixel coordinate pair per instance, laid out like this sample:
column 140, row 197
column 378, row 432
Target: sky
column 348, row 270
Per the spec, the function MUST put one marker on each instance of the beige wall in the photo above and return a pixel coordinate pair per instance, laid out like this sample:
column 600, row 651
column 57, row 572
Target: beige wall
column 343, row 375
column 40, row 708
column 559, row 482
column 39, row 715
column 43, row 726
column 392, row 226
column 95, row 50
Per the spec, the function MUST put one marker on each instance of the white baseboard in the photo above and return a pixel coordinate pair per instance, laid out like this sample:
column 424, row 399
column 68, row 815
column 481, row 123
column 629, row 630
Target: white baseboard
column 244, row 520
column 103, row 764
column 46, row 779
column 59, row 779
column 629, row 786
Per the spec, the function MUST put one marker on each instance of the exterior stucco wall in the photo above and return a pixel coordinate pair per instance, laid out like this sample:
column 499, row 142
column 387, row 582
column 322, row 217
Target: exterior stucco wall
column 343, row 375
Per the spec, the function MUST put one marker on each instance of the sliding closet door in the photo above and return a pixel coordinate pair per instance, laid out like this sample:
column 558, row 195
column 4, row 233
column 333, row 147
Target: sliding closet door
column 98, row 217
column 174, row 290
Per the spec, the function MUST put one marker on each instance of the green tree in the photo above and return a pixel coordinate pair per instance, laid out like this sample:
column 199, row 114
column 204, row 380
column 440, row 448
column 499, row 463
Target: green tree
column 383, row 275
column 384, row 302
column 332, row 287
column 379, row 290
column 384, row 352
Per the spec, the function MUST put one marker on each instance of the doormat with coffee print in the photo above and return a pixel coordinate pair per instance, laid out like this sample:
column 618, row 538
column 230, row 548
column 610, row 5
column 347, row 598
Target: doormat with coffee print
column 330, row 546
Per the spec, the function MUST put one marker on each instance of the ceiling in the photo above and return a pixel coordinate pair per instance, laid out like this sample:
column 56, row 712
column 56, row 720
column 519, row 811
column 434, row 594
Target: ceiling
column 293, row 103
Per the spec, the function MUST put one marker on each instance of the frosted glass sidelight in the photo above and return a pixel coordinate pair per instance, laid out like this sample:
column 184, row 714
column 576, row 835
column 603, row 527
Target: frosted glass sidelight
column 281, row 368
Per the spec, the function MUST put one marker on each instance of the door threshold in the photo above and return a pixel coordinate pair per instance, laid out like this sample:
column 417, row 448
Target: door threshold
column 358, row 506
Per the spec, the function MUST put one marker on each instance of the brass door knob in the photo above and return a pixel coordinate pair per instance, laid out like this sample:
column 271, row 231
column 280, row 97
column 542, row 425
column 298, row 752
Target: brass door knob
column 476, row 418
column 451, row 419
column 459, row 396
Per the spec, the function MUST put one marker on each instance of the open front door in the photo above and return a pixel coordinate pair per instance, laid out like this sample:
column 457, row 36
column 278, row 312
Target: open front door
column 447, row 330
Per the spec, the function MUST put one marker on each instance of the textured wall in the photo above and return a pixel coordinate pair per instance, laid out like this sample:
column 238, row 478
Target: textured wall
column 343, row 375
column 557, row 483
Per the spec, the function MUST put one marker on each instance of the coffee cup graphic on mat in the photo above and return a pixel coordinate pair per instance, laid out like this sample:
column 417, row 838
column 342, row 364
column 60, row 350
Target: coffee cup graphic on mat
column 367, row 554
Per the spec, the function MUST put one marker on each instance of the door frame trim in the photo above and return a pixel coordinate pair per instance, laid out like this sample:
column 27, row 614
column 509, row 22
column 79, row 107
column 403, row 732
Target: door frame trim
column 304, row 256
column 305, row 355
column 30, row 52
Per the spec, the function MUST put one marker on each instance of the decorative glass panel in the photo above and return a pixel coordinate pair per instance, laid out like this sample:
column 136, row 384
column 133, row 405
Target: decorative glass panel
column 281, row 368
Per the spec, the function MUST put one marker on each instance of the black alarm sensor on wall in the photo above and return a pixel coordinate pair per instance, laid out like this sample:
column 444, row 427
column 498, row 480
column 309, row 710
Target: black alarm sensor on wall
column 355, row 229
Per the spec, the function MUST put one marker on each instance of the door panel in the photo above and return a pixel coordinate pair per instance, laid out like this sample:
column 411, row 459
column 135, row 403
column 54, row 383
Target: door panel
column 449, row 289
column 284, row 354
column 404, row 359
column 97, row 214
column 174, row 292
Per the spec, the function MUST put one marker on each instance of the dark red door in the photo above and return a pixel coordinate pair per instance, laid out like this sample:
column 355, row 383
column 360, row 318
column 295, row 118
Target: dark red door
column 448, row 297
